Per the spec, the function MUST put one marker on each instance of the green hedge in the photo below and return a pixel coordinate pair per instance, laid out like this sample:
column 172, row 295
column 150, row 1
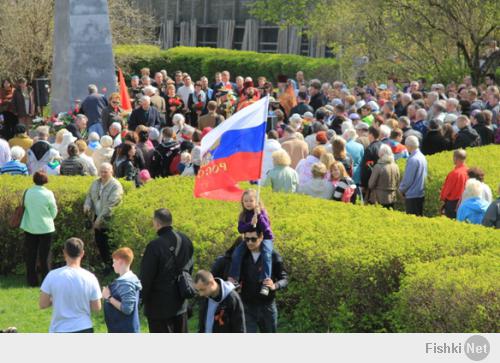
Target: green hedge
column 70, row 194
column 346, row 262
column 451, row 295
column 206, row 61
column 439, row 165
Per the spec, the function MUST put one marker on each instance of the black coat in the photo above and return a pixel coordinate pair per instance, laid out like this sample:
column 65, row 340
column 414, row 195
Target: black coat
column 158, row 275
column 370, row 158
column 229, row 316
column 434, row 142
column 467, row 137
column 301, row 109
column 317, row 101
column 251, row 284
column 150, row 118
column 486, row 134
column 75, row 131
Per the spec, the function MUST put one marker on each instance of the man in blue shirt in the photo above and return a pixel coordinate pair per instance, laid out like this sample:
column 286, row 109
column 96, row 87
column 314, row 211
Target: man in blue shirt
column 412, row 185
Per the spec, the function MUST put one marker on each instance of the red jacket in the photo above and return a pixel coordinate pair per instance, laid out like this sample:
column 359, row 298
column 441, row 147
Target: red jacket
column 454, row 184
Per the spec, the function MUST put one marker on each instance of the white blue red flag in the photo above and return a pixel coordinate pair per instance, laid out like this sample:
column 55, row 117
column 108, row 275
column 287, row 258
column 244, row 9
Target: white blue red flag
column 233, row 152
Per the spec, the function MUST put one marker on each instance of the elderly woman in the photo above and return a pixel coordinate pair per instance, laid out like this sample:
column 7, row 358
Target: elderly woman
column 384, row 180
column 40, row 209
column 318, row 186
column 104, row 153
column 282, row 177
column 472, row 209
column 179, row 121
column 15, row 166
column 104, row 194
column 304, row 167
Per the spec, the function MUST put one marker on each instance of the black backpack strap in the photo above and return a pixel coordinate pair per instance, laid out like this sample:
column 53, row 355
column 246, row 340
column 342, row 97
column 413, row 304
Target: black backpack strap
column 178, row 245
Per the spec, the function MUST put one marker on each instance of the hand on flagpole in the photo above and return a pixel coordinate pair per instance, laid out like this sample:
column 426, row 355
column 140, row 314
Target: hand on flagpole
column 254, row 219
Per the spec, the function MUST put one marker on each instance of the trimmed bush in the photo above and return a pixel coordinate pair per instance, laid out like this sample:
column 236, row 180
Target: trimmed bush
column 206, row 61
column 70, row 193
column 345, row 262
column 439, row 165
column 451, row 295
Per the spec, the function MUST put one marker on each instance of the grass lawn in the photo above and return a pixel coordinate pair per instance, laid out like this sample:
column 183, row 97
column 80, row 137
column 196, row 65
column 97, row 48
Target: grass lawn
column 19, row 308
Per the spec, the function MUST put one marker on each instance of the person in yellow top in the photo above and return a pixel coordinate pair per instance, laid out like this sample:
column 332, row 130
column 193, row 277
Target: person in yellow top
column 21, row 139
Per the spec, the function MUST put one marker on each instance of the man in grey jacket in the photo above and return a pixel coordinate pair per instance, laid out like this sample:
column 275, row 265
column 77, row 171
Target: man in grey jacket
column 492, row 216
column 104, row 194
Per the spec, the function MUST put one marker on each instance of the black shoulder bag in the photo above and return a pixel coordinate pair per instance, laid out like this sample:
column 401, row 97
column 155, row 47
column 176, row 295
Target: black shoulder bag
column 184, row 280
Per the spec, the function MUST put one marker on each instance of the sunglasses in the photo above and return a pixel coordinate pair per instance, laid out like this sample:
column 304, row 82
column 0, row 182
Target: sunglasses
column 251, row 239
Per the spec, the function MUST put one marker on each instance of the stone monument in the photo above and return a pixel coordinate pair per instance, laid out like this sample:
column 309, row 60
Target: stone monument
column 83, row 52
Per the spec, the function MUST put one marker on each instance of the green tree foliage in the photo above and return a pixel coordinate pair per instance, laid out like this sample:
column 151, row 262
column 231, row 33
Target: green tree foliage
column 440, row 39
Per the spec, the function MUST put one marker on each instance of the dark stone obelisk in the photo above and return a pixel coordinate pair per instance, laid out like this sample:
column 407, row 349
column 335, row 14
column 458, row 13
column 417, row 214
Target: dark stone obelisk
column 83, row 52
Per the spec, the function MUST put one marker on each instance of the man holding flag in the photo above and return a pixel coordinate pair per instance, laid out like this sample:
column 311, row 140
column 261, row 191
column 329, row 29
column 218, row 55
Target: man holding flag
column 233, row 152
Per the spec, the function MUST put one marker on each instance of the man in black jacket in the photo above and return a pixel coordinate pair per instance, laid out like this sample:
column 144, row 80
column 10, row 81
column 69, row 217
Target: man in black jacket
column 164, row 308
column 466, row 136
column 79, row 128
column 221, row 310
column 260, row 311
column 370, row 157
column 146, row 115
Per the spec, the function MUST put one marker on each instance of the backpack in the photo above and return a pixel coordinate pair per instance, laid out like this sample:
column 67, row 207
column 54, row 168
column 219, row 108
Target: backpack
column 165, row 159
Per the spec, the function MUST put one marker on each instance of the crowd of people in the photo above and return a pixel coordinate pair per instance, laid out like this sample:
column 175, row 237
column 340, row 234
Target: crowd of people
column 324, row 140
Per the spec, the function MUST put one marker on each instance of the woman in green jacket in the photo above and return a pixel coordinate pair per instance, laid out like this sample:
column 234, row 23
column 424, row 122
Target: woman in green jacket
column 40, row 209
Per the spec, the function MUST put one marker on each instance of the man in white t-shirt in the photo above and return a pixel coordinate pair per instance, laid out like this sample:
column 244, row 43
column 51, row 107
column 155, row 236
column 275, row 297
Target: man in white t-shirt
column 73, row 292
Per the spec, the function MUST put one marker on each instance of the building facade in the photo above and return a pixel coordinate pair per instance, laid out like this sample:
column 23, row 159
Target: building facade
column 225, row 24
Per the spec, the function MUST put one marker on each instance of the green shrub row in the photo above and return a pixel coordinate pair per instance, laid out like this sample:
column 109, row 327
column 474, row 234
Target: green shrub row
column 347, row 263
column 439, row 165
column 70, row 194
column 451, row 294
column 207, row 61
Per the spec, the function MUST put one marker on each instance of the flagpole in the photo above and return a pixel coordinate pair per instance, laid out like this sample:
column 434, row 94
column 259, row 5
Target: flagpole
column 259, row 182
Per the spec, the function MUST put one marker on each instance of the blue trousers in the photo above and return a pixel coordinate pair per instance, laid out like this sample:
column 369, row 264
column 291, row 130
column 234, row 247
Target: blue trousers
column 261, row 316
column 266, row 254
column 97, row 127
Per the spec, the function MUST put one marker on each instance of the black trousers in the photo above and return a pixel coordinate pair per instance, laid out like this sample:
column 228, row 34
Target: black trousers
column 102, row 242
column 37, row 245
column 177, row 324
column 414, row 206
column 450, row 208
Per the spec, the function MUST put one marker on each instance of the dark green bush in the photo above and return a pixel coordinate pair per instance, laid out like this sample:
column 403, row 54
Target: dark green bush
column 451, row 295
column 439, row 165
column 206, row 61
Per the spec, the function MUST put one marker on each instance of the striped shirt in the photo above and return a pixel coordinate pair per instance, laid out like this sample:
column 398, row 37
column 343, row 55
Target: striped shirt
column 14, row 167
column 340, row 187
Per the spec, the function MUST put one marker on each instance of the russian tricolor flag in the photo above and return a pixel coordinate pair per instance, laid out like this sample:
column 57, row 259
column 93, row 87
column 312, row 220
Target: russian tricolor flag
column 233, row 152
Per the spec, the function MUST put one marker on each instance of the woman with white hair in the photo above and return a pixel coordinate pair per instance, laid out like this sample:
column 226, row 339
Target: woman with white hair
column 179, row 121
column 318, row 186
column 104, row 153
column 384, row 180
column 93, row 143
column 282, row 177
column 14, row 166
column 472, row 209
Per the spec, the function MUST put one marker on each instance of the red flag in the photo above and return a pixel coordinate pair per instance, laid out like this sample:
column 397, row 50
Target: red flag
column 126, row 104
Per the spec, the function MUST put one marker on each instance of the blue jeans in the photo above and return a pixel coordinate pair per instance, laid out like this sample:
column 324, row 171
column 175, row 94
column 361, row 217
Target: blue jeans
column 267, row 260
column 97, row 127
column 261, row 316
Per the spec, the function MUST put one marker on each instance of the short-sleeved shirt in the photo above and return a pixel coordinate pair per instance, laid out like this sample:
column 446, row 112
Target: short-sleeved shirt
column 71, row 290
